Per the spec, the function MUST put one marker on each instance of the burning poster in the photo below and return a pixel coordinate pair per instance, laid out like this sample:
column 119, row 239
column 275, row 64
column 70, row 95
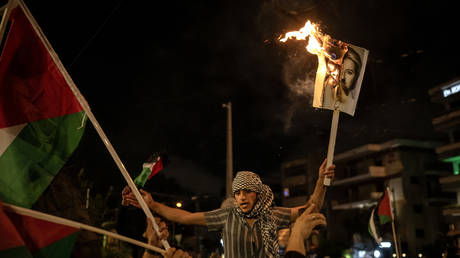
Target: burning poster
column 338, row 86
column 340, row 70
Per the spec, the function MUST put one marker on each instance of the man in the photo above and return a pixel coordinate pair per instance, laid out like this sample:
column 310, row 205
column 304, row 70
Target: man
column 250, row 227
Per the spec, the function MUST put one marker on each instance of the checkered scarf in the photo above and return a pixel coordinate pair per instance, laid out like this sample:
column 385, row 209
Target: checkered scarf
column 246, row 180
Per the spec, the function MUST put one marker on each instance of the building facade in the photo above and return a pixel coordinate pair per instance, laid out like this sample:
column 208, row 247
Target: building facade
column 448, row 122
column 411, row 169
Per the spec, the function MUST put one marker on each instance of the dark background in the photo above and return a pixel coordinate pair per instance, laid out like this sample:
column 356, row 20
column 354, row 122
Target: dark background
column 156, row 74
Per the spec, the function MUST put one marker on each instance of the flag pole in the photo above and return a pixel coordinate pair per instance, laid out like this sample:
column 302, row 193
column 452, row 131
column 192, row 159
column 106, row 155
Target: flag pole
column 331, row 147
column 93, row 120
column 393, row 222
column 74, row 224
column 6, row 9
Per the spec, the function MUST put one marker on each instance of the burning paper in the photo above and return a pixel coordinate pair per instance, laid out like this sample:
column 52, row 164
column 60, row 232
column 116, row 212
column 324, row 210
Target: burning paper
column 340, row 71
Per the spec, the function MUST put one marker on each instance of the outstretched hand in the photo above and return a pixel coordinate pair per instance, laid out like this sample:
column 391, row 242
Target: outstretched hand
column 128, row 198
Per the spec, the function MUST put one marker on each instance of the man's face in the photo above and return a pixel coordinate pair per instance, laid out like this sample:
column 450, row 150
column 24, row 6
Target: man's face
column 246, row 200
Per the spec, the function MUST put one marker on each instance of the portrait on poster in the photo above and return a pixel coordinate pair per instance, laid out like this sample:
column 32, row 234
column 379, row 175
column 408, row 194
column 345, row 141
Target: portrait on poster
column 341, row 93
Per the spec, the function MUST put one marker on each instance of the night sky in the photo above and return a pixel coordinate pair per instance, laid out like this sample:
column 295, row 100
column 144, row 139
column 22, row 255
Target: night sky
column 156, row 74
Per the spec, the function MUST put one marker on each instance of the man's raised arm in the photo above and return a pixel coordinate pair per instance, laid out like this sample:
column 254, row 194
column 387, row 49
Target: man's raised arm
column 319, row 193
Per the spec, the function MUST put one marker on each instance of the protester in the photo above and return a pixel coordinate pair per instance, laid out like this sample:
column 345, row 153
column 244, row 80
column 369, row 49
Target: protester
column 250, row 227
column 301, row 230
column 154, row 240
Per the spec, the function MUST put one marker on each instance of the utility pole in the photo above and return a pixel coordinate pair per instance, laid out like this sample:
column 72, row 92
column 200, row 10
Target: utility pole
column 229, row 175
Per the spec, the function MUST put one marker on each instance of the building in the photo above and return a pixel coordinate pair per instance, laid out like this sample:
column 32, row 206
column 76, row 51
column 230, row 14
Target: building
column 448, row 122
column 410, row 168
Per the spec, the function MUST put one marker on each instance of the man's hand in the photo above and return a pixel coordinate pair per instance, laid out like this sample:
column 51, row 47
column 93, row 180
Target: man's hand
column 324, row 172
column 305, row 224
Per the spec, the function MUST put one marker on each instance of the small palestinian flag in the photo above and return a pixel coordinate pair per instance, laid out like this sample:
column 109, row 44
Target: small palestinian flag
column 151, row 167
column 23, row 236
column 385, row 212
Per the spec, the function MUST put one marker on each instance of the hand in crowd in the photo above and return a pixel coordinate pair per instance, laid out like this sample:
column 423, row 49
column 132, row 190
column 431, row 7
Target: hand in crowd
column 302, row 229
column 305, row 224
column 152, row 236
column 173, row 253
column 154, row 240
column 328, row 172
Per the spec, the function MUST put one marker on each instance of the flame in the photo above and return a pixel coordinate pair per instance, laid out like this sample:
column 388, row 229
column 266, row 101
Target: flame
column 322, row 45
column 310, row 31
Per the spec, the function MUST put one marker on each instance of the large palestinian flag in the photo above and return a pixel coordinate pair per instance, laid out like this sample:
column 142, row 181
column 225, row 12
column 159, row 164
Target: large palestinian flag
column 41, row 121
column 24, row 236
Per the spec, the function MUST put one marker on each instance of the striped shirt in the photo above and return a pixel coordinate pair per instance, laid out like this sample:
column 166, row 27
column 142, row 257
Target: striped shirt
column 240, row 239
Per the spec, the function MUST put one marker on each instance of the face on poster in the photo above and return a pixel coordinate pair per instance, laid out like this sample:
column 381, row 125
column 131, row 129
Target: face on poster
column 341, row 93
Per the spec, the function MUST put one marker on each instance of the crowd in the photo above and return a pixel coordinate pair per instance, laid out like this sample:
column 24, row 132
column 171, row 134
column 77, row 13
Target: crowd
column 249, row 228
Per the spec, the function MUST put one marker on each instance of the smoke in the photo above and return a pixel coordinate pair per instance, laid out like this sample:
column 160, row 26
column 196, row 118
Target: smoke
column 299, row 71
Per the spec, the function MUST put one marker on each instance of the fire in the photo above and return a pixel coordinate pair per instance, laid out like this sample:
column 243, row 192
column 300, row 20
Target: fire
column 310, row 31
column 327, row 49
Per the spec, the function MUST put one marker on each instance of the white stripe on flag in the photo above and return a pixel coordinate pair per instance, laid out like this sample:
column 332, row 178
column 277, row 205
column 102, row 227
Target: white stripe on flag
column 7, row 136
column 372, row 229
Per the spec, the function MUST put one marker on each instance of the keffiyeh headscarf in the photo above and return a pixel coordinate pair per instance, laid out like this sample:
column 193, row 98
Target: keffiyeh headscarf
column 247, row 180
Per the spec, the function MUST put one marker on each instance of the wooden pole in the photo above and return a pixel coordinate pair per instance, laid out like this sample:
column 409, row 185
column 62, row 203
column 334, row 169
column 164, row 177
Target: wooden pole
column 6, row 9
column 331, row 147
column 229, row 170
column 74, row 224
column 93, row 120
column 395, row 239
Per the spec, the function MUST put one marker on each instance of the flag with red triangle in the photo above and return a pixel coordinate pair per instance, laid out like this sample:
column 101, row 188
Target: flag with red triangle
column 25, row 236
column 41, row 121
column 384, row 209
column 384, row 213
column 154, row 164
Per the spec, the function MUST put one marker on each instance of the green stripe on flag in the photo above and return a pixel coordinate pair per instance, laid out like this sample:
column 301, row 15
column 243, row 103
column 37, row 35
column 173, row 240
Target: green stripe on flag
column 59, row 249
column 17, row 252
column 36, row 155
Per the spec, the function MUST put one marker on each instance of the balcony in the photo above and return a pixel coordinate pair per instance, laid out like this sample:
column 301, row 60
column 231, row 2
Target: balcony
column 372, row 173
column 448, row 121
column 449, row 150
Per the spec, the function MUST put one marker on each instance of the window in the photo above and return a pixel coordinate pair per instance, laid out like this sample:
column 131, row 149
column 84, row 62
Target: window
column 414, row 180
column 419, row 233
column 418, row 208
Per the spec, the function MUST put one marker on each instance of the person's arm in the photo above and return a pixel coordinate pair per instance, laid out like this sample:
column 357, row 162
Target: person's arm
column 302, row 230
column 178, row 215
column 319, row 193
column 172, row 214
column 320, row 189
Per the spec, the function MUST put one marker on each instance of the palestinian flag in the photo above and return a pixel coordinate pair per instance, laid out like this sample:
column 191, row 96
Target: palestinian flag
column 150, row 168
column 385, row 212
column 25, row 236
column 41, row 121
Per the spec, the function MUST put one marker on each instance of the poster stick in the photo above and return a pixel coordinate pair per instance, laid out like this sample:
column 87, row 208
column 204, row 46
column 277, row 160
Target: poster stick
column 93, row 120
column 331, row 147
